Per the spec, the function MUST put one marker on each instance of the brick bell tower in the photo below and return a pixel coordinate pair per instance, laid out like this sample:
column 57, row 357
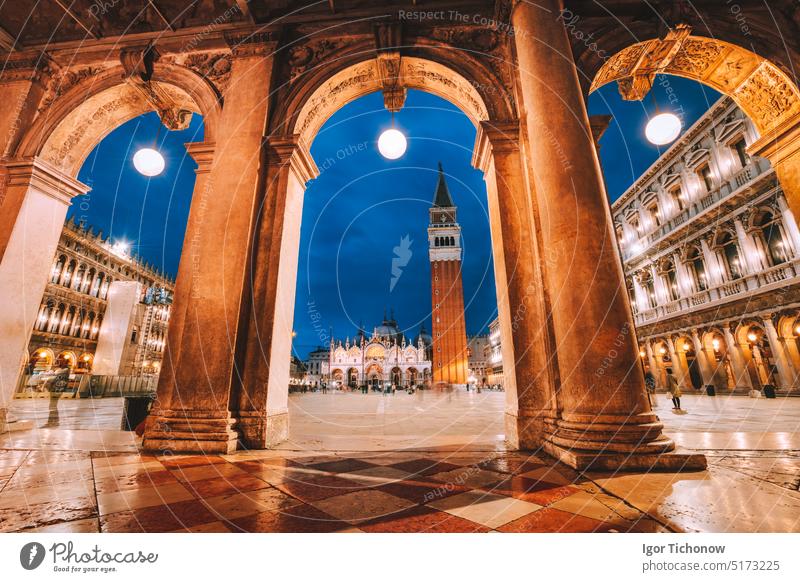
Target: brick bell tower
column 449, row 331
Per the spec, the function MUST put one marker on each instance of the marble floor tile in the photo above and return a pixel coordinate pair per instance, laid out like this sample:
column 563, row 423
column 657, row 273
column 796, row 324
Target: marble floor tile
column 469, row 477
column 300, row 519
column 422, row 520
column 131, row 499
column 236, row 505
column 90, row 525
column 363, row 505
column 158, row 518
column 490, row 510
column 376, row 476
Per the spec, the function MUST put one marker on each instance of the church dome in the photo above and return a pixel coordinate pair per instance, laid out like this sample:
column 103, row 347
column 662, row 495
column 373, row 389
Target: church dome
column 424, row 336
column 389, row 329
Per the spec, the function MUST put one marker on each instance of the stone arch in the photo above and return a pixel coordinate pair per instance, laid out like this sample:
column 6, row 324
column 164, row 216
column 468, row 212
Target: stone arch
column 761, row 89
column 73, row 123
column 464, row 81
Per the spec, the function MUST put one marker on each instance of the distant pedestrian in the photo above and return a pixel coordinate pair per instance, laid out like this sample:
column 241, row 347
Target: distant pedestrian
column 650, row 381
column 674, row 390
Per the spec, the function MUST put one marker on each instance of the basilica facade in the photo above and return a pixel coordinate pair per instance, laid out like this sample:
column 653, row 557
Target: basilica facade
column 384, row 358
column 711, row 254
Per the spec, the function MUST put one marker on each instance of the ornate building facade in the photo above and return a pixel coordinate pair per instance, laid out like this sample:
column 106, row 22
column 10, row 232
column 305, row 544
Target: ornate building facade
column 73, row 318
column 447, row 291
column 386, row 357
column 711, row 254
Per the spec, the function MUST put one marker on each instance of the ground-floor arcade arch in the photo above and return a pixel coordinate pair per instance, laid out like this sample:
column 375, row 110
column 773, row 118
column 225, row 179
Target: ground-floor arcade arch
column 557, row 410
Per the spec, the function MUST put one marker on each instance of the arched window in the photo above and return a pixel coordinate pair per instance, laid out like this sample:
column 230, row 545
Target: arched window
column 87, row 281
column 670, row 279
column 78, row 278
column 770, row 230
column 452, row 241
column 729, row 249
column 77, row 326
column 44, row 316
column 87, row 325
column 55, row 318
column 58, row 267
column 67, row 278
column 649, row 289
column 64, row 328
column 697, row 268
column 652, row 210
column 677, row 196
column 95, row 330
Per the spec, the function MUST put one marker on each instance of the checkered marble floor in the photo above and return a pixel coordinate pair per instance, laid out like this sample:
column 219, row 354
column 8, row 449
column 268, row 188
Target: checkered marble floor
column 285, row 491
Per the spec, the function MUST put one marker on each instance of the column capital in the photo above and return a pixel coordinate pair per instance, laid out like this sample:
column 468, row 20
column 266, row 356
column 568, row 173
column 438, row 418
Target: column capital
column 779, row 144
column 256, row 44
column 37, row 173
column 292, row 149
column 494, row 137
column 203, row 154
column 36, row 67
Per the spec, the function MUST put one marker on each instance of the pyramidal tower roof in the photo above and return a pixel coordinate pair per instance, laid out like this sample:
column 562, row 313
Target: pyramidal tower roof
column 442, row 197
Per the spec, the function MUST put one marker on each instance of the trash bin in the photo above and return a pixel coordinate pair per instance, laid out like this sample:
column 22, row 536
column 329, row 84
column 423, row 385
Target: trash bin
column 710, row 390
column 134, row 411
column 769, row 391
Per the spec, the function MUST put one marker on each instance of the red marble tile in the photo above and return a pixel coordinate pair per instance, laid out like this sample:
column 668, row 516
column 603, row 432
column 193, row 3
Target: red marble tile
column 24, row 478
column 515, row 465
column 41, row 514
column 315, row 487
column 549, row 520
column 420, row 491
column 134, row 481
column 225, row 485
column 190, row 461
column 301, row 519
column 533, row 490
column 203, row 472
column 47, row 457
column 424, row 467
column 422, row 520
column 161, row 518
column 341, row 466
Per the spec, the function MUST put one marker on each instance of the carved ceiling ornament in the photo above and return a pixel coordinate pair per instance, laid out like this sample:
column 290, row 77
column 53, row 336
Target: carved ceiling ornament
column 366, row 77
column 64, row 80
column 768, row 97
column 74, row 138
column 213, row 66
column 306, row 56
column 138, row 65
column 762, row 90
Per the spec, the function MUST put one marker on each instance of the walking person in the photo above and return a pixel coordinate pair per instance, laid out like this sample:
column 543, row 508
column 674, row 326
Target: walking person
column 674, row 390
column 650, row 385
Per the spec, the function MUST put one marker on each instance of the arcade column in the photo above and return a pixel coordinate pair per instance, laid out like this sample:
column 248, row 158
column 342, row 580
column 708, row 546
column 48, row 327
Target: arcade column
column 605, row 420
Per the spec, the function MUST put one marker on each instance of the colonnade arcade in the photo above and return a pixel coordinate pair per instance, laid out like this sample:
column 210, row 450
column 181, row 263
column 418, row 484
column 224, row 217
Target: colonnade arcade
column 735, row 356
column 263, row 96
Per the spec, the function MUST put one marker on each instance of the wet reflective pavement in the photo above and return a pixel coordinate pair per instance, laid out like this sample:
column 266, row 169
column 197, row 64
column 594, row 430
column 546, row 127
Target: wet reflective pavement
column 423, row 465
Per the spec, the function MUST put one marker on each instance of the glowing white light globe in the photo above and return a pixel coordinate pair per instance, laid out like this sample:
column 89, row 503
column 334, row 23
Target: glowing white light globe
column 392, row 144
column 148, row 162
column 663, row 128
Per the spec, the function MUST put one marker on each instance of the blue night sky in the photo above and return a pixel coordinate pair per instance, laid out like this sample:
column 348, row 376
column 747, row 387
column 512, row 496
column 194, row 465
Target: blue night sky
column 361, row 206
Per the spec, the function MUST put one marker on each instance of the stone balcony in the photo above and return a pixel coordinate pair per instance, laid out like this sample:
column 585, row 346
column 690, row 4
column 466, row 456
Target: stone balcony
column 776, row 277
column 733, row 185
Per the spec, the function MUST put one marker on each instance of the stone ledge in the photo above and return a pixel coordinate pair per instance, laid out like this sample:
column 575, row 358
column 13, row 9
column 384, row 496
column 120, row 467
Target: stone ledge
column 673, row 462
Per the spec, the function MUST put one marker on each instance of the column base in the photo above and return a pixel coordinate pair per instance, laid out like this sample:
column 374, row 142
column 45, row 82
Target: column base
column 617, row 443
column 524, row 432
column 10, row 423
column 673, row 461
column 260, row 431
column 188, row 432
